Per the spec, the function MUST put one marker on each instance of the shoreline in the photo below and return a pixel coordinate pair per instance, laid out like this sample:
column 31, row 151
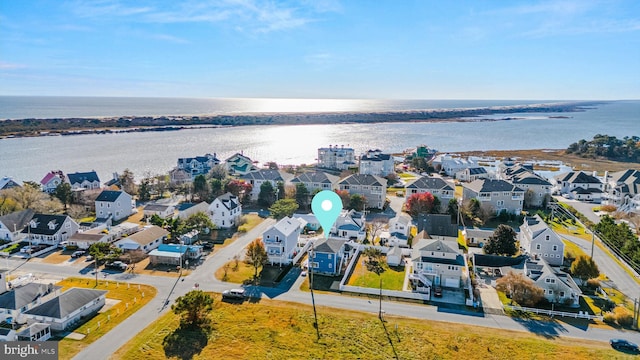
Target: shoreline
column 110, row 125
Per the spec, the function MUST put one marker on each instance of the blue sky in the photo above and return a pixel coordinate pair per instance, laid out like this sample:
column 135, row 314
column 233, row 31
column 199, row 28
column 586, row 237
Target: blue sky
column 575, row 49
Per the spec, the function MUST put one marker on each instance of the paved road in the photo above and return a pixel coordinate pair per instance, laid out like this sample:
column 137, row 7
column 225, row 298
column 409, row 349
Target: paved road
column 584, row 207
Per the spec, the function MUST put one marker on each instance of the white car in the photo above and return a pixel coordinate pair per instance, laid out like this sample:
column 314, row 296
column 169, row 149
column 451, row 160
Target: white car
column 233, row 294
column 26, row 249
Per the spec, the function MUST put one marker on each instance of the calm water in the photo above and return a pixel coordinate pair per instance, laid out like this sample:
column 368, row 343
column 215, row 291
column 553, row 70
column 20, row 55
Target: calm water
column 157, row 152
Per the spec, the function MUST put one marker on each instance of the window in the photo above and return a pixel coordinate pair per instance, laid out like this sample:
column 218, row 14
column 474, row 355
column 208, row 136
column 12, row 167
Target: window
column 537, row 246
column 550, row 292
column 506, row 193
column 329, row 256
column 500, row 203
column 561, row 293
column 217, row 206
column 546, row 255
column 330, row 265
column 555, row 248
column 546, row 238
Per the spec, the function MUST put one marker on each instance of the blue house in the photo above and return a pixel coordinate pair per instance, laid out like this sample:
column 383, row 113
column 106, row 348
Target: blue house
column 328, row 256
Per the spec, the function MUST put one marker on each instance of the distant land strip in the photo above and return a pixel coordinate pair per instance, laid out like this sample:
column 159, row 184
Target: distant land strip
column 77, row 126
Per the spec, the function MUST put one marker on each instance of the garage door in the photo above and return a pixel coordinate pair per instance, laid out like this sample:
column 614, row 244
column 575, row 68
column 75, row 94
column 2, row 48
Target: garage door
column 451, row 283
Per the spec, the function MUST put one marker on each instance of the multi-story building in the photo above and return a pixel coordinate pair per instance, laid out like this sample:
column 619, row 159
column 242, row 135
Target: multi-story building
column 499, row 195
column 199, row 165
column 280, row 240
column 537, row 239
column 372, row 188
column 374, row 162
column 334, row 157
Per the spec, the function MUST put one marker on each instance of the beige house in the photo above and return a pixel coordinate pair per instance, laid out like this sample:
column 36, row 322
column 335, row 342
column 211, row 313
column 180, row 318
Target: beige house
column 372, row 188
column 148, row 239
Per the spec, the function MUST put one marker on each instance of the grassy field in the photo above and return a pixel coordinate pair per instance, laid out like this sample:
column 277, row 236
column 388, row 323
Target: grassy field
column 240, row 275
column 392, row 278
column 252, row 220
column 279, row 330
column 108, row 319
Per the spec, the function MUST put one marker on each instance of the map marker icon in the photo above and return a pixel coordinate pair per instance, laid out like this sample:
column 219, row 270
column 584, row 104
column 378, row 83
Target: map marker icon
column 326, row 206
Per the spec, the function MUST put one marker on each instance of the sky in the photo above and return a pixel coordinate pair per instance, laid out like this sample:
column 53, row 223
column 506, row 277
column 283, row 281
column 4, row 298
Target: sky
column 555, row 50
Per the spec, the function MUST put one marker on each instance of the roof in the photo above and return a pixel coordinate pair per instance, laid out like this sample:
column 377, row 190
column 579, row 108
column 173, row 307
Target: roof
column 491, row 185
column 109, row 195
column 80, row 177
column 497, row 260
column 148, row 235
column 174, row 248
column 68, row 302
column 429, row 183
column 584, row 191
column 579, row 177
column 4, row 331
column 471, row 232
column 538, row 268
column 375, row 155
column 22, row 296
column 396, row 251
column 267, row 174
column 536, row 224
column 349, row 227
column 229, row 201
column 50, row 175
column 169, row 254
column 364, row 179
column 83, row 236
column 315, row 177
column 287, row 226
column 8, row 183
column 625, row 176
column 33, row 329
column 19, row 218
column 329, row 246
column 440, row 246
column 476, row 170
column 459, row 260
column 156, row 207
column 42, row 221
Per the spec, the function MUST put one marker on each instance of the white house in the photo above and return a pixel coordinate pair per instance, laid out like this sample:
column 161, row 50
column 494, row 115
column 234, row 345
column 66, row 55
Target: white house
column 537, row 239
column 476, row 237
column 349, row 225
column 83, row 240
column 537, row 189
column 164, row 211
column 623, row 190
column 559, row 287
column 580, row 186
column 24, row 297
column 84, row 180
column 115, row 204
column 374, row 162
column 52, row 180
column 472, row 173
column 452, row 164
column 8, row 183
column 225, row 211
column 187, row 209
column 334, row 157
column 280, row 240
column 438, row 262
column 257, row 178
column 50, row 229
column 199, row 165
column 12, row 224
column 434, row 185
column 146, row 240
column 372, row 188
column 63, row 311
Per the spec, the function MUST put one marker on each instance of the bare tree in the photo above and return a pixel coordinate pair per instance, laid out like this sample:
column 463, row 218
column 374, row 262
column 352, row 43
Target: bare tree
column 376, row 226
column 77, row 211
column 635, row 221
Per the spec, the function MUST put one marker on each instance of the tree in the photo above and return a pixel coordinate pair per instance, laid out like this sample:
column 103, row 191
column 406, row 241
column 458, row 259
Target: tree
column 63, row 193
column 144, row 190
column 200, row 188
column 238, row 188
column 281, row 192
column 199, row 221
column 357, row 202
column 28, row 196
column 77, row 211
column 634, row 219
column 7, row 204
column 502, row 242
column 218, row 172
column 216, row 188
column 176, row 228
column 156, row 220
column 127, row 182
column 193, row 308
column 104, row 251
column 529, row 197
column 375, row 264
column 422, row 203
column 282, row 208
column 584, row 268
column 452, row 209
column 419, row 163
column 267, row 194
column 520, row 288
column 256, row 256
column 302, row 195
column 345, row 197
column 376, row 225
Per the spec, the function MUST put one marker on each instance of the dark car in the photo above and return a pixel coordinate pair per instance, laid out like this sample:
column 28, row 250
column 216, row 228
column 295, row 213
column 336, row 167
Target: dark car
column 437, row 291
column 621, row 344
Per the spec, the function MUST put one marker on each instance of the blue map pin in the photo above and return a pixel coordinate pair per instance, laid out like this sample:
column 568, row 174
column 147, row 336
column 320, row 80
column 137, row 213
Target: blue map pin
column 326, row 206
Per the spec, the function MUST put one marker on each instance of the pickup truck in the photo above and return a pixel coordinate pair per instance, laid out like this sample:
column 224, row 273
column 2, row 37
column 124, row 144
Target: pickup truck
column 116, row 265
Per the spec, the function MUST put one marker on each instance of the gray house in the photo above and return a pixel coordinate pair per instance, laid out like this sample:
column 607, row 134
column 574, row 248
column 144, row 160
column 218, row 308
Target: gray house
column 373, row 188
column 317, row 180
column 537, row 239
column 257, row 178
column 69, row 308
column 496, row 194
column 434, row 185
column 537, row 189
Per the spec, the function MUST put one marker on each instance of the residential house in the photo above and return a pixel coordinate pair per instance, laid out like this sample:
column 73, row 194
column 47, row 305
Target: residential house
column 199, row 165
column 623, row 190
column 334, row 157
column 169, row 254
column 257, row 178
column 50, row 229
column 399, row 230
column 83, row 240
column 238, row 164
column 179, row 177
column 434, row 185
column 8, row 183
column 281, row 240
column 164, row 211
column 476, row 237
column 328, row 256
column 308, row 222
column 34, row 332
column 12, row 224
column 65, row 311
column 451, row 164
column 225, row 211
column 436, row 224
column 22, row 298
column 146, row 240
column 372, row 188
column 537, row 189
column 395, row 256
column 472, row 173
column 538, row 240
column 438, row 262
column 350, row 225
column 116, row 205
column 317, row 180
column 84, row 180
column 190, row 237
column 103, row 233
column 558, row 286
column 52, row 180
column 187, row 209
column 498, row 195
column 374, row 162
column 580, row 186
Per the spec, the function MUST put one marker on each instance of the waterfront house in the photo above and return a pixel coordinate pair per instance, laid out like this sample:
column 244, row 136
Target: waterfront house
column 178, row 177
column 472, row 173
column 199, row 165
column 238, row 164
column 50, row 229
column 539, row 241
column 350, row 225
column 52, row 180
column 328, row 256
column 163, row 211
column 580, row 186
column 149, row 238
column 317, row 180
column 281, row 240
column 438, row 262
column 451, row 164
column 558, row 286
column 434, row 185
column 116, row 205
column 257, row 178
column 623, row 190
column 497, row 195
column 70, row 308
column 372, row 188
column 12, row 224
column 334, row 157
column 84, row 180
column 8, row 183
column 537, row 189
column 374, row 162
column 225, row 211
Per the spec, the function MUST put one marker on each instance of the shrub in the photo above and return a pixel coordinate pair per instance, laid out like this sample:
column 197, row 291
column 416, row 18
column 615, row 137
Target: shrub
column 609, row 318
column 71, row 247
column 623, row 316
column 593, row 283
column 608, row 208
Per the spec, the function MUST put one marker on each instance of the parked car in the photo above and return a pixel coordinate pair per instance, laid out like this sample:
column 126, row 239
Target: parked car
column 437, row 291
column 235, row 294
column 89, row 258
column 117, row 265
column 621, row 344
column 77, row 254
column 26, row 249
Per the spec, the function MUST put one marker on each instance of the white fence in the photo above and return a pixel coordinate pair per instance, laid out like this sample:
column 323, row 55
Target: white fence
column 392, row 293
column 44, row 251
column 578, row 315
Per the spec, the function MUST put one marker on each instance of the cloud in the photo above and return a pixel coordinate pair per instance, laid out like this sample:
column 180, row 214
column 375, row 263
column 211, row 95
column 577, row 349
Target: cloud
column 169, row 38
column 11, row 66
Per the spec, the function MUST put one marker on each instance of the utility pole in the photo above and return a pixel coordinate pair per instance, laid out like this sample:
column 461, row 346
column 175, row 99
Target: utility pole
column 313, row 301
column 593, row 240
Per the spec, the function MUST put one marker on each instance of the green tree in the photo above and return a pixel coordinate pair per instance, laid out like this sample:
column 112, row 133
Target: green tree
column 281, row 192
column 419, row 163
column 256, row 256
column 176, row 228
column 357, row 202
column 193, row 308
column 63, row 193
column 584, row 268
column 502, row 242
column 144, row 190
column 375, row 263
column 302, row 195
column 217, row 188
column 156, row 220
column 200, row 188
column 267, row 194
column 520, row 288
column 127, row 182
column 452, row 209
column 104, row 251
column 199, row 221
column 282, row 208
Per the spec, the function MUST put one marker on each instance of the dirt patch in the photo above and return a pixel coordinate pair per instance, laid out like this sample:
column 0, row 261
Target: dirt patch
column 108, row 304
column 144, row 267
column 59, row 257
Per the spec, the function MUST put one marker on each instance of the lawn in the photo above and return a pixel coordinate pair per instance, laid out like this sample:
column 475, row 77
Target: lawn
column 273, row 329
column 237, row 275
column 392, row 278
column 252, row 220
column 572, row 249
column 130, row 299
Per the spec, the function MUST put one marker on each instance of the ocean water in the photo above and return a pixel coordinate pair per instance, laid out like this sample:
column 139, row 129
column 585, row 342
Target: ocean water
column 152, row 153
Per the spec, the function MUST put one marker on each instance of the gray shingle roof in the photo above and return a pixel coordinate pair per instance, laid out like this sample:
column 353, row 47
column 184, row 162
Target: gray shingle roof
column 364, row 179
column 287, row 225
column 267, row 174
column 429, row 183
column 22, row 296
column 79, row 177
column 578, row 177
column 109, row 195
column 229, row 201
column 315, row 177
column 68, row 302
column 491, row 185
column 329, row 246
column 19, row 218
column 42, row 222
